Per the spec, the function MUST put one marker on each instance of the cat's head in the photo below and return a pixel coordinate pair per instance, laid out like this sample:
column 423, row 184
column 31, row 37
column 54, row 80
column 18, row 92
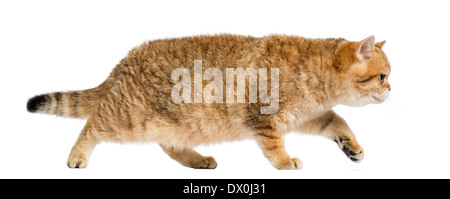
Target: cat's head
column 363, row 71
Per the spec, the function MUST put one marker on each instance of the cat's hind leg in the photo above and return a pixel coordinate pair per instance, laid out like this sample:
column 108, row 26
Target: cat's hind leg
column 189, row 158
column 81, row 151
column 272, row 145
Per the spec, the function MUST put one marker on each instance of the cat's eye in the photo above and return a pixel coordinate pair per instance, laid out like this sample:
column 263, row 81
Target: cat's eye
column 382, row 77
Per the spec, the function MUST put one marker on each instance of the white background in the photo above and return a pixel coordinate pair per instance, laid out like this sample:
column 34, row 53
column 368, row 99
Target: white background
column 48, row 46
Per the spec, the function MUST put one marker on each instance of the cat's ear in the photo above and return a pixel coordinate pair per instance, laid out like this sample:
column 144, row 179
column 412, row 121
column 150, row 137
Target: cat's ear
column 366, row 48
column 380, row 44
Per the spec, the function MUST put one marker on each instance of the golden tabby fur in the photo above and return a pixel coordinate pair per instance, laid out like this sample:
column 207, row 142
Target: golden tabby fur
column 134, row 104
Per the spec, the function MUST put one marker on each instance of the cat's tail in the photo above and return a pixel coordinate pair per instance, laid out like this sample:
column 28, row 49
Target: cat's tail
column 74, row 104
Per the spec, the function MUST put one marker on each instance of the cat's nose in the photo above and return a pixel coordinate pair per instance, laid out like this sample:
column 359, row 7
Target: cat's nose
column 389, row 87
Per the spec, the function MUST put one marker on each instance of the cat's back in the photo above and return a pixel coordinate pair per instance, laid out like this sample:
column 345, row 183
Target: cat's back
column 190, row 48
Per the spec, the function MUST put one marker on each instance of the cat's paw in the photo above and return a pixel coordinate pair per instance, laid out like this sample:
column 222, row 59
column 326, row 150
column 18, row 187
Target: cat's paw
column 77, row 161
column 206, row 163
column 291, row 164
column 351, row 148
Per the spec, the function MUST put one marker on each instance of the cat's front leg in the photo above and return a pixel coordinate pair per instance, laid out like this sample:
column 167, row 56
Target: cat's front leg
column 335, row 128
column 272, row 145
column 350, row 147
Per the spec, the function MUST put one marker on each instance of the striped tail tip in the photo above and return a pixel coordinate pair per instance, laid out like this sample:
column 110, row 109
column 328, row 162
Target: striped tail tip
column 36, row 102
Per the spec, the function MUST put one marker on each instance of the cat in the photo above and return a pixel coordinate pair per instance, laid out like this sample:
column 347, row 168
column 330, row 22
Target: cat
column 135, row 103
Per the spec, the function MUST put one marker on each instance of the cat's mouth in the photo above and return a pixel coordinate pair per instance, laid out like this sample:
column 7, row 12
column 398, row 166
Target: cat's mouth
column 381, row 97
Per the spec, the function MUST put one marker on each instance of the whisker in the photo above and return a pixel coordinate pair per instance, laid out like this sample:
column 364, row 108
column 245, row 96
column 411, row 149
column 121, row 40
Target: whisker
column 391, row 111
column 395, row 102
column 393, row 106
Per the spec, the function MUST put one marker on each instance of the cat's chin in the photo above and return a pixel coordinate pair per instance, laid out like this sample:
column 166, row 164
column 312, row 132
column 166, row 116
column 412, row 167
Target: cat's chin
column 377, row 100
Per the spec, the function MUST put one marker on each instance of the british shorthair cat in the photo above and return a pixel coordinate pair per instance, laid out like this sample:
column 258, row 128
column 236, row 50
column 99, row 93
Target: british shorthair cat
column 185, row 92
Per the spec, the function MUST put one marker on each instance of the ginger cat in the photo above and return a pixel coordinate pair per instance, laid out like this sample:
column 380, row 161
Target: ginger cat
column 308, row 77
